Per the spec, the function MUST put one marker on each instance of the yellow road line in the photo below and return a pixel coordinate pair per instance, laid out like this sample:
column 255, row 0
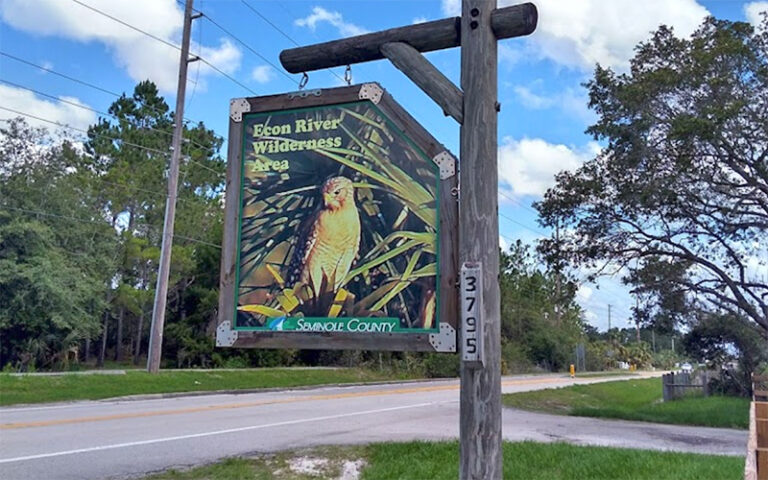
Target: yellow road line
column 229, row 406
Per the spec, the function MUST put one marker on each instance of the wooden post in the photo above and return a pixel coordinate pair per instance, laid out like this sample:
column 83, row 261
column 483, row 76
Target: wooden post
column 164, row 270
column 477, row 31
column 480, row 417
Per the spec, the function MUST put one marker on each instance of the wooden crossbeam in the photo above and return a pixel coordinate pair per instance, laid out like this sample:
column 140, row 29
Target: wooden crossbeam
column 413, row 64
column 508, row 22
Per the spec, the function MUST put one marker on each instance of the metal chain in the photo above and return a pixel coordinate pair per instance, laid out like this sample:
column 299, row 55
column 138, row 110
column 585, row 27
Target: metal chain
column 348, row 75
column 304, row 80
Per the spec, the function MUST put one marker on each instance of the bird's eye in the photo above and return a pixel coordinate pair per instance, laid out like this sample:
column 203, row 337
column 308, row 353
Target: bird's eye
column 336, row 192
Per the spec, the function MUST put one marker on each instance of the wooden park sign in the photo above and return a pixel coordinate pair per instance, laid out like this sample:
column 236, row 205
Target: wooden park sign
column 473, row 104
column 340, row 225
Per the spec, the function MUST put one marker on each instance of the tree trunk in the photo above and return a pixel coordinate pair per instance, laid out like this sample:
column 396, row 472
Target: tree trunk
column 179, row 305
column 87, row 350
column 119, row 341
column 139, row 329
column 100, row 361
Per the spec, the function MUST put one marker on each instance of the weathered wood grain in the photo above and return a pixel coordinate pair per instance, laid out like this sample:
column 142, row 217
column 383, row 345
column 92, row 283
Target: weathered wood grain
column 514, row 21
column 228, row 275
column 413, row 64
column 480, row 410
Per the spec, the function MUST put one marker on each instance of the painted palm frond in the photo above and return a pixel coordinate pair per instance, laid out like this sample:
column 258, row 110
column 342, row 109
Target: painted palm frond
column 395, row 188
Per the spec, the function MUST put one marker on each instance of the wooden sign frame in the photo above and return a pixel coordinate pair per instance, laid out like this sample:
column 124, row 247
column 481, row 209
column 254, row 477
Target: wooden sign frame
column 441, row 339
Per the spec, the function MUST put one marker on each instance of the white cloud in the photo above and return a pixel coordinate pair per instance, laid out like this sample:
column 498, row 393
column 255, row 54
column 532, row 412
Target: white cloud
column 533, row 100
column 419, row 20
column 452, row 8
column 529, row 165
column 63, row 113
column 503, row 244
column 581, row 33
column 141, row 56
column 320, row 15
column 509, row 54
column 584, row 292
column 570, row 100
column 263, row 73
column 753, row 12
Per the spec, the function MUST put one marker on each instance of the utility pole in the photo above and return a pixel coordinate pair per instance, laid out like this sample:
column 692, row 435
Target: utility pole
column 609, row 317
column 558, row 281
column 637, row 317
column 161, row 291
column 480, row 392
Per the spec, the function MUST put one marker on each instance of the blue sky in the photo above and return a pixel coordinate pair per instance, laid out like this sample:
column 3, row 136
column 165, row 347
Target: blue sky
column 543, row 115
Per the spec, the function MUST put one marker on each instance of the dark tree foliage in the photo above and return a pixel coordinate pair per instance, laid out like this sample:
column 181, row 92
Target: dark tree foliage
column 56, row 251
column 680, row 191
column 129, row 154
column 719, row 339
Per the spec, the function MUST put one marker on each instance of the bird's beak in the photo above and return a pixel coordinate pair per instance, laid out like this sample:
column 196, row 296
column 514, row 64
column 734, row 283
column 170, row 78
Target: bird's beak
column 327, row 197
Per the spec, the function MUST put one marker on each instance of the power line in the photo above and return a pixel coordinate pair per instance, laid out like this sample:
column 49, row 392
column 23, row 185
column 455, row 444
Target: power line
column 251, row 49
column 522, row 225
column 46, row 69
column 263, row 17
column 69, row 127
column 87, row 84
column 517, row 202
column 85, row 107
column 116, row 139
column 163, row 41
column 84, row 220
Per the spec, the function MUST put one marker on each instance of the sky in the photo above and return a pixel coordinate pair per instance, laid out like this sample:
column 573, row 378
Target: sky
column 544, row 110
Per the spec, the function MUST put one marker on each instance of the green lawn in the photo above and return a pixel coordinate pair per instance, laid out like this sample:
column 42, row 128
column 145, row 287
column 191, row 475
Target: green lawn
column 634, row 400
column 37, row 389
column 527, row 460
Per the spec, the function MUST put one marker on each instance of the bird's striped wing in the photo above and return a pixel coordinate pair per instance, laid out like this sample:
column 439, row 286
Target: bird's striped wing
column 304, row 242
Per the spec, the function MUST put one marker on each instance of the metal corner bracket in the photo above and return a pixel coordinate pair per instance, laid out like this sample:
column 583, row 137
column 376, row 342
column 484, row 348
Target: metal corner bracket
column 238, row 106
column 447, row 164
column 445, row 340
column 225, row 336
column 370, row 91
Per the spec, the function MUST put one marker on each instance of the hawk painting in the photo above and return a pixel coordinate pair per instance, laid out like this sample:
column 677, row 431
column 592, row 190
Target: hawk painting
column 328, row 241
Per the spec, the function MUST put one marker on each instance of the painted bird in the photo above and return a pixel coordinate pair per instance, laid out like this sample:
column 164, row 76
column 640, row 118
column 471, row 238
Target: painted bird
column 329, row 239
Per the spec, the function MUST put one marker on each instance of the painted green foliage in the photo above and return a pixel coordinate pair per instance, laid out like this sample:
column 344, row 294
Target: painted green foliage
column 383, row 260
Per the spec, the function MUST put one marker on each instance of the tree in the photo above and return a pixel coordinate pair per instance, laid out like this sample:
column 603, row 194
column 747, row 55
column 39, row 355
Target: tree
column 539, row 314
column 680, row 192
column 719, row 339
column 129, row 152
column 56, row 252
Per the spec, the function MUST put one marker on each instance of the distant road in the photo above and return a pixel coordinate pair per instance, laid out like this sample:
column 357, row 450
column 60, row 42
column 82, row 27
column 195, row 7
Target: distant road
column 123, row 438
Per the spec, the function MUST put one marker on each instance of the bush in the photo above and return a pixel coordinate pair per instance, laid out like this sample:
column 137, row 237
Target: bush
column 514, row 359
column 441, row 365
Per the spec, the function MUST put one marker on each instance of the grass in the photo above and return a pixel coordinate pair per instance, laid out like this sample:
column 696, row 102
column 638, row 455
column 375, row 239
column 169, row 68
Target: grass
column 38, row 389
column 634, row 400
column 439, row 460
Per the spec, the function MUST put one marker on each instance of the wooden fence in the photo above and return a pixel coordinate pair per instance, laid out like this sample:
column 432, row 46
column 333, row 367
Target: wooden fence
column 683, row 384
column 756, row 464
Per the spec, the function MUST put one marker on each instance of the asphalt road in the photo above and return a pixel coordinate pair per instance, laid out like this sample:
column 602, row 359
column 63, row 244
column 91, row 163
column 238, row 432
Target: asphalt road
column 128, row 438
